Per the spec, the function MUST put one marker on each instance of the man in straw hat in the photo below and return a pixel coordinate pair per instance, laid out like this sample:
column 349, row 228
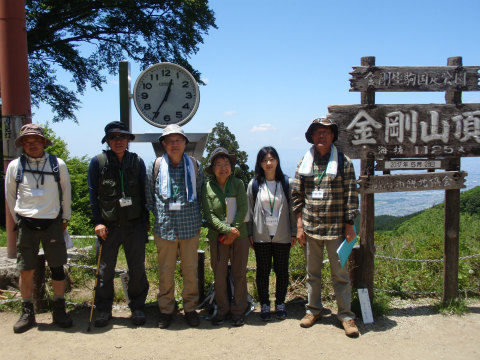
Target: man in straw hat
column 173, row 192
column 37, row 187
column 325, row 201
column 116, row 183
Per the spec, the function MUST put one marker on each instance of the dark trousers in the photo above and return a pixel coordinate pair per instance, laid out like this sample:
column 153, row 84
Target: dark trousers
column 264, row 253
column 133, row 238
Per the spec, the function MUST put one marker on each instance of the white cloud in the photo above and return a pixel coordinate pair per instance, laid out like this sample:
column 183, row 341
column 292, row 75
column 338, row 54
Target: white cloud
column 262, row 127
column 229, row 112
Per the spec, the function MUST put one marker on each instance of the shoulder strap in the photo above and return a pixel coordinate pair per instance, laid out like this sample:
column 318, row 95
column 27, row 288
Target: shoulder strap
column 22, row 160
column 195, row 164
column 341, row 160
column 156, row 168
column 56, row 175
column 286, row 187
column 254, row 189
column 102, row 161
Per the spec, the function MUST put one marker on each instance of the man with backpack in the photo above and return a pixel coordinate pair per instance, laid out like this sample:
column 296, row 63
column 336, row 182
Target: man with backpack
column 173, row 192
column 37, row 188
column 325, row 202
column 116, row 183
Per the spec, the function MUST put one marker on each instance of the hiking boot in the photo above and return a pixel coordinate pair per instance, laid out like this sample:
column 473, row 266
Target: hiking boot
column 265, row 314
column 238, row 321
column 102, row 318
column 218, row 319
column 351, row 329
column 192, row 318
column 280, row 312
column 164, row 320
column 60, row 316
column 309, row 319
column 138, row 317
column 27, row 319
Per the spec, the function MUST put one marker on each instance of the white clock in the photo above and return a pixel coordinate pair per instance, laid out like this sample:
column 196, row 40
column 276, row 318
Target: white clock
column 166, row 93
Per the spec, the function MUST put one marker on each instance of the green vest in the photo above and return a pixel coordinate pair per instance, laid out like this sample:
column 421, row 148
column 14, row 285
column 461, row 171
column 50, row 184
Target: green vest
column 110, row 187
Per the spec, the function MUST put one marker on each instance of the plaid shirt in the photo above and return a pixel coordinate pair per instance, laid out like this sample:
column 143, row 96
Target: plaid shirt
column 174, row 224
column 324, row 219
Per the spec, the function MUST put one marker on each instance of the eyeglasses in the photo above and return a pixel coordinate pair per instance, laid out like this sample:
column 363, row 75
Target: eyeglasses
column 118, row 137
column 222, row 165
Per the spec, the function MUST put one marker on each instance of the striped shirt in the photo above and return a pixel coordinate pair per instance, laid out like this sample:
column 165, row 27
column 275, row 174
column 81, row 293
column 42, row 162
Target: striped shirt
column 174, row 224
column 324, row 219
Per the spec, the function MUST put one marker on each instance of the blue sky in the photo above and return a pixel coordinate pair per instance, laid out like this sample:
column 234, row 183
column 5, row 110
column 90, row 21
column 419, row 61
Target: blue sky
column 271, row 67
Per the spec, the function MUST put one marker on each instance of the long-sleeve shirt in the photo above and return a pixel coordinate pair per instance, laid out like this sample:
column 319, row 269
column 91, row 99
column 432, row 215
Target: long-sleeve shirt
column 170, row 224
column 214, row 207
column 93, row 184
column 38, row 196
column 324, row 219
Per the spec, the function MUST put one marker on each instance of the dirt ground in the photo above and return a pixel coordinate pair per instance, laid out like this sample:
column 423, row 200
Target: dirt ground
column 410, row 331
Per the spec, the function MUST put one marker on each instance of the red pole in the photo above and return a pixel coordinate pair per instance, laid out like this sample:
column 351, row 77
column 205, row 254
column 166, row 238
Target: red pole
column 15, row 88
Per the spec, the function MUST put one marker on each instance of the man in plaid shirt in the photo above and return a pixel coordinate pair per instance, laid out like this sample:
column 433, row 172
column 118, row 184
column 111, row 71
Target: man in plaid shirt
column 173, row 194
column 325, row 202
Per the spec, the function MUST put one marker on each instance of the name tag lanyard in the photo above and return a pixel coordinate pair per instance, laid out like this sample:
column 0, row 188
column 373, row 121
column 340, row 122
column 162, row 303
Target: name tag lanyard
column 224, row 204
column 320, row 177
column 272, row 205
column 41, row 175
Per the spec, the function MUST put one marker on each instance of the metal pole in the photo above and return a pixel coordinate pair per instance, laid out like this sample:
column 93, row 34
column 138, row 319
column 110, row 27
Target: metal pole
column 125, row 89
column 15, row 88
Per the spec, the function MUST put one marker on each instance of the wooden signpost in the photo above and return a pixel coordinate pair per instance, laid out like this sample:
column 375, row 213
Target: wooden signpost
column 428, row 137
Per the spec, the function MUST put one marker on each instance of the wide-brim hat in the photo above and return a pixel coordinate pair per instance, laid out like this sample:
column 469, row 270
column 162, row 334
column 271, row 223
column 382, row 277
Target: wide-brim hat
column 31, row 129
column 220, row 151
column 321, row 122
column 116, row 127
column 172, row 129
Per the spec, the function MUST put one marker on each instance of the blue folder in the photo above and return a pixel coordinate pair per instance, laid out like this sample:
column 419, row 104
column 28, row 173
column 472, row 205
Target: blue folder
column 344, row 250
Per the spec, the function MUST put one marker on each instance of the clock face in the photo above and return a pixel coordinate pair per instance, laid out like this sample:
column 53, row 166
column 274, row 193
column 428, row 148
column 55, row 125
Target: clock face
column 165, row 94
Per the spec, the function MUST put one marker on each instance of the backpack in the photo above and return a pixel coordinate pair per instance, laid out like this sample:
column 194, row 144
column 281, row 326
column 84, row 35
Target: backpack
column 285, row 186
column 55, row 172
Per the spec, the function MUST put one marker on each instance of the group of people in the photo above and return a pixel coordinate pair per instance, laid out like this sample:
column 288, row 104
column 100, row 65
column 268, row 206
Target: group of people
column 316, row 209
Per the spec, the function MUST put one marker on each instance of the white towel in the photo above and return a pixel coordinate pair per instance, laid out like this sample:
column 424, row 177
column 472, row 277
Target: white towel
column 306, row 167
column 190, row 178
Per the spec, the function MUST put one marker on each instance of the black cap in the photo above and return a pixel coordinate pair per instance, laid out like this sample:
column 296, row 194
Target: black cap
column 116, row 127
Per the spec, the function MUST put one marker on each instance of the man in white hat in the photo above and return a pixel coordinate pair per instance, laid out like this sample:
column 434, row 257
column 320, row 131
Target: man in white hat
column 37, row 188
column 173, row 194
column 325, row 202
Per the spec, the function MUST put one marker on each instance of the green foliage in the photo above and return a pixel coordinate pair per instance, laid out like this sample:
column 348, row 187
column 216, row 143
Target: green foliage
column 86, row 38
column 456, row 306
column 222, row 137
column 79, row 223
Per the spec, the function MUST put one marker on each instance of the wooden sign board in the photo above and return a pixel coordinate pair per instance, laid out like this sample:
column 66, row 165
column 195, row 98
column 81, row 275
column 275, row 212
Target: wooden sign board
column 413, row 78
column 446, row 180
column 407, row 130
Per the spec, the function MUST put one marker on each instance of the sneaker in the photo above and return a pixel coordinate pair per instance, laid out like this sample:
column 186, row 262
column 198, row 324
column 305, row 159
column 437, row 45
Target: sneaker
column 265, row 314
column 309, row 319
column 238, row 321
column 60, row 316
column 192, row 318
column 164, row 320
column 27, row 319
column 138, row 317
column 102, row 318
column 280, row 312
column 351, row 329
column 218, row 319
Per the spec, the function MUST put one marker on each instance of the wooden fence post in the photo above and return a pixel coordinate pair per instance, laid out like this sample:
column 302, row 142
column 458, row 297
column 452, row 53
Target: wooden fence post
column 367, row 207
column 452, row 214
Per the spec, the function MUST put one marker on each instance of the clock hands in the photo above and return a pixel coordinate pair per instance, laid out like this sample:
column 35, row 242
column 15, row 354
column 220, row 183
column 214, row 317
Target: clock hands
column 164, row 99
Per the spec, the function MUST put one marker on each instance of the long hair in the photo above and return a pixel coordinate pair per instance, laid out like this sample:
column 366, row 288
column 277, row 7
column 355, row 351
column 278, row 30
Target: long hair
column 259, row 172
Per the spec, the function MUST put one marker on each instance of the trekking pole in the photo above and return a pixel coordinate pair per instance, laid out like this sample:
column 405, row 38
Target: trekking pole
column 96, row 283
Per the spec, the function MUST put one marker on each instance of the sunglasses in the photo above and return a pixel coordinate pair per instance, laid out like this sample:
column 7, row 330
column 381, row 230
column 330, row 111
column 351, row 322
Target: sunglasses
column 119, row 136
